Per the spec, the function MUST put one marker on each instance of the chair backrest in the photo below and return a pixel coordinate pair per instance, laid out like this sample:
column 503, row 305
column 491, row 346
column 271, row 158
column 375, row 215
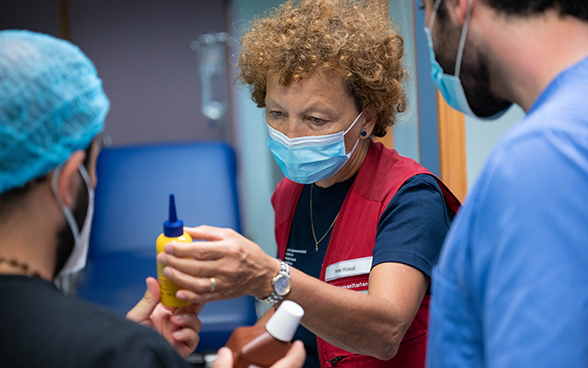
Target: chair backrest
column 134, row 184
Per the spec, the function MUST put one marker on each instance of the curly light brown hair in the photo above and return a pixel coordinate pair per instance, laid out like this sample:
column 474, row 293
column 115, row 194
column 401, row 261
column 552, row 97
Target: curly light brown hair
column 355, row 39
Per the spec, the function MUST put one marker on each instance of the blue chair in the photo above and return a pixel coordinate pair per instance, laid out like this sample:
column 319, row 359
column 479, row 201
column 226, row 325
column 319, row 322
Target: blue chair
column 132, row 198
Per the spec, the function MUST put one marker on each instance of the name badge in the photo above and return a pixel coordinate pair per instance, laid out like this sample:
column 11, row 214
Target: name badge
column 352, row 267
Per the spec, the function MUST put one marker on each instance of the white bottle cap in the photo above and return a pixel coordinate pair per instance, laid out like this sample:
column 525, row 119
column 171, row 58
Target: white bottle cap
column 283, row 324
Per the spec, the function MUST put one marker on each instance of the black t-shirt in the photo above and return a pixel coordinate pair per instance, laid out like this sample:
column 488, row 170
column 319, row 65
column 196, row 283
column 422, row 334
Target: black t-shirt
column 40, row 327
column 411, row 230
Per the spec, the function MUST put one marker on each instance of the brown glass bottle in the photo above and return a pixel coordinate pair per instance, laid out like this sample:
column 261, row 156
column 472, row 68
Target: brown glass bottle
column 255, row 346
column 263, row 344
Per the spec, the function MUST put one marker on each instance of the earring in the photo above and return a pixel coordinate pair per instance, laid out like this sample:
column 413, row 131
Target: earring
column 363, row 133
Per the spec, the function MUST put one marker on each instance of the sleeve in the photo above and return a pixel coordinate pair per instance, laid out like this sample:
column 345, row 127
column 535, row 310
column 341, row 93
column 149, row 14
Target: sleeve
column 530, row 255
column 116, row 342
column 414, row 225
column 143, row 352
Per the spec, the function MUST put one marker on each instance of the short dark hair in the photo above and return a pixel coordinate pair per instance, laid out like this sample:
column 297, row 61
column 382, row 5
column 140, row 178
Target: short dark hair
column 574, row 8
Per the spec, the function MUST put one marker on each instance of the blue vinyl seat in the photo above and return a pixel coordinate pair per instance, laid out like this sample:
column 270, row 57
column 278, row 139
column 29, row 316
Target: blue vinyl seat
column 132, row 198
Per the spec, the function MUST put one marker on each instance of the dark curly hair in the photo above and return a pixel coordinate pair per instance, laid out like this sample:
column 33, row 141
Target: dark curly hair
column 355, row 39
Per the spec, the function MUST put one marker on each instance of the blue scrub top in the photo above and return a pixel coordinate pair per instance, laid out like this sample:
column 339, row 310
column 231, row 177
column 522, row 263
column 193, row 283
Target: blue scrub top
column 511, row 287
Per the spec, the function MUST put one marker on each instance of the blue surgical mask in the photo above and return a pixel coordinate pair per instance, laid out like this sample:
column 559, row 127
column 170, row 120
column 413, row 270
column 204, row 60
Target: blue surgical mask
column 450, row 85
column 306, row 160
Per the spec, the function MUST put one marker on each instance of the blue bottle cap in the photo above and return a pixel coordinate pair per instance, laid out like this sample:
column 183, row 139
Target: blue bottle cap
column 173, row 228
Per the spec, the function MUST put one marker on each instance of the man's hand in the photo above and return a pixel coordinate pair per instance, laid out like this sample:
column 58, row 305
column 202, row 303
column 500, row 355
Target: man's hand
column 294, row 359
column 179, row 326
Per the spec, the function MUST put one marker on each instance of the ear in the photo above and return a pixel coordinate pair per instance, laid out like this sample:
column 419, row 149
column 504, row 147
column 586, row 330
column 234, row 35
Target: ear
column 92, row 164
column 461, row 9
column 69, row 180
column 370, row 114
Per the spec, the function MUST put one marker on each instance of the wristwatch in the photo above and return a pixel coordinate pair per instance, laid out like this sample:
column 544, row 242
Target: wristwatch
column 281, row 285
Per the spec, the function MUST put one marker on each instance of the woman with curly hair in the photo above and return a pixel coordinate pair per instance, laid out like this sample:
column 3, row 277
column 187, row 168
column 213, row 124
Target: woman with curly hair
column 358, row 226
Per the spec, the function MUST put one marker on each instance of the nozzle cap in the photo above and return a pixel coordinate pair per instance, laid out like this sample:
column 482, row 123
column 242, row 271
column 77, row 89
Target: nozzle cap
column 283, row 324
column 173, row 227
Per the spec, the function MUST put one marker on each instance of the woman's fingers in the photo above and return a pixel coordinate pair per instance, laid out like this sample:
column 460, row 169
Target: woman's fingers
column 238, row 266
column 202, row 250
column 190, row 266
column 195, row 289
column 209, row 233
column 206, row 297
column 200, row 285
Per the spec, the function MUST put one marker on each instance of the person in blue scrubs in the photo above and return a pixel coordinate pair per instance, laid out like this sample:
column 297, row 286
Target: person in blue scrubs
column 511, row 286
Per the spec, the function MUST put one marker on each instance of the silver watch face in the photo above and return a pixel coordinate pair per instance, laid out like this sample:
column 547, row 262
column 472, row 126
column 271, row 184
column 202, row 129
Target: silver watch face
column 282, row 285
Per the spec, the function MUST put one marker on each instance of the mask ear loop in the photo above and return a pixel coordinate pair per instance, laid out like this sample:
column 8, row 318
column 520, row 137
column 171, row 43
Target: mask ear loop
column 66, row 210
column 464, row 32
column 354, row 121
column 348, row 129
column 434, row 15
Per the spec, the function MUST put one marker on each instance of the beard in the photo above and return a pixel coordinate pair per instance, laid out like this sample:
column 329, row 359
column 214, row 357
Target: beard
column 65, row 238
column 475, row 69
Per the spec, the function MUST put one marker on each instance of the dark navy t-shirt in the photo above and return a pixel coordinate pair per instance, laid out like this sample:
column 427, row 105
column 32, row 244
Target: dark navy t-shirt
column 411, row 231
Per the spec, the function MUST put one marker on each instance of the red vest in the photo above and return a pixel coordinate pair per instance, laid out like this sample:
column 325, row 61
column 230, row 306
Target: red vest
column 348, row 257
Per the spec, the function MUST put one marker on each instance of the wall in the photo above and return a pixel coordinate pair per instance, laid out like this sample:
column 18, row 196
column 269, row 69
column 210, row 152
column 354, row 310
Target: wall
column 427, row 96
column 406, row 130
column 481, row 135
column 141, row 49
column 34, row 15
column 260, row 174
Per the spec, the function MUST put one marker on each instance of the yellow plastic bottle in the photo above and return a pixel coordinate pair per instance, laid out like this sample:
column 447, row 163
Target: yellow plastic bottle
column 173, row 230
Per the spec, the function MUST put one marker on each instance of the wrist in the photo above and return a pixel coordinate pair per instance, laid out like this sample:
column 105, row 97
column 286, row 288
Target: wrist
column 279, row 285
column 271, row 270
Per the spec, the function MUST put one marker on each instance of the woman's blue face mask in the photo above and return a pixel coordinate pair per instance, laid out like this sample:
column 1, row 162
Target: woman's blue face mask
column 306, row 160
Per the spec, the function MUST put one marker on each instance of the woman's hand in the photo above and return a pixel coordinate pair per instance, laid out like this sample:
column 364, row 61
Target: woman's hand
column 293, row 359
column 179, row 326
column 238, row 266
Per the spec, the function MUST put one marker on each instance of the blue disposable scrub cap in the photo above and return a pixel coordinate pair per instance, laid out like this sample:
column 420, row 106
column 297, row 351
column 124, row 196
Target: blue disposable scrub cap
column 51, row 104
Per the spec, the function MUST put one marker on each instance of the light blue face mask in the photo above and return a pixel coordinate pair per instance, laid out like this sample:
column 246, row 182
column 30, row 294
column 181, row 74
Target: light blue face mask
column 450, row 85
column 306, row 160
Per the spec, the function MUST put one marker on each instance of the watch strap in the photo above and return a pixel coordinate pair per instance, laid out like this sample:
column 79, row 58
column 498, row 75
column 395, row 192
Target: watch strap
column 274, row 297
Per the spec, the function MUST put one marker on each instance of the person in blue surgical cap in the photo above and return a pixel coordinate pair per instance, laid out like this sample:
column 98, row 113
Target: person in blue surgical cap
column 511, row 287
column 52, row 106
